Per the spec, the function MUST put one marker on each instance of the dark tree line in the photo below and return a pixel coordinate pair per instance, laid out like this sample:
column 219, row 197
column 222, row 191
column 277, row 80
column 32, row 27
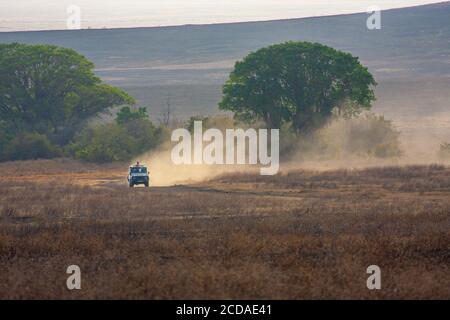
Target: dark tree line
column 48, row 94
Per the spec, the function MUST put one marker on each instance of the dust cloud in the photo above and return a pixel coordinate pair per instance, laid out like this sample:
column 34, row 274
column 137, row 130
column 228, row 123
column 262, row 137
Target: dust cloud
column 418, row 141
column 163, row 172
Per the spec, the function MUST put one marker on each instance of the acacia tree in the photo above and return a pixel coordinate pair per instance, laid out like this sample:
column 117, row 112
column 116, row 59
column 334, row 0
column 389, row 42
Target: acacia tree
column 297, row 82
column 51, row 90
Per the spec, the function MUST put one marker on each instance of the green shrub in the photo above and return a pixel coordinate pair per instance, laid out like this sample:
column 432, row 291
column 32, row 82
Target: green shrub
column 29, row 146
column 127, row 114
column 114, row 142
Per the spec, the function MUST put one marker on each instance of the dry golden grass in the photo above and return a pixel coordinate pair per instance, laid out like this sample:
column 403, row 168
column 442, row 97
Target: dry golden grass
column 298, row 235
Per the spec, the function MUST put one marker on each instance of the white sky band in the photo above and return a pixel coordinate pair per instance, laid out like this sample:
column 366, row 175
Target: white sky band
column 52, row 14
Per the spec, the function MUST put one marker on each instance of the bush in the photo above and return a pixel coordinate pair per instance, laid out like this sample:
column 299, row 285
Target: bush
column 444, row 151
column 368, row 135
column 372, row 135
column 29, row 146
column 114, row 142
column 127, row 114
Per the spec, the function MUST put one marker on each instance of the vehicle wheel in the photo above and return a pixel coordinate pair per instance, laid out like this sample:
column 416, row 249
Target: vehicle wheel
column 131, row 185
column 146, row 185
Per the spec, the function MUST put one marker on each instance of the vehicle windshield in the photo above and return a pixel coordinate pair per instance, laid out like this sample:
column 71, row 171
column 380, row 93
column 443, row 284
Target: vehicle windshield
column 138, row 170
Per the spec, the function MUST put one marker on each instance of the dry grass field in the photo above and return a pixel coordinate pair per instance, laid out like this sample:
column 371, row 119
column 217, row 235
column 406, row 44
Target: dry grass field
column 297, row 235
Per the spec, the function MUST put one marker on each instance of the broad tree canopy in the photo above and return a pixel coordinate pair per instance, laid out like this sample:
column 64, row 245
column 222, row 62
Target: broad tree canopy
column 297, row 82
column 51, row 90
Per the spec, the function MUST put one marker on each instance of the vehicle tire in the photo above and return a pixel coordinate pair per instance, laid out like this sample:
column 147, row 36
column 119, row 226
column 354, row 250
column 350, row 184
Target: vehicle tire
column 146, row 184
column 131, row 185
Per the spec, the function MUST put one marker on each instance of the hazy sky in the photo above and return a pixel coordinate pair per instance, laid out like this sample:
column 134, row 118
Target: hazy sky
column 52, row 14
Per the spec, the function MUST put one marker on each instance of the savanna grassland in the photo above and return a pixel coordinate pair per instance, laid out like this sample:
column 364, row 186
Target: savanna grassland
column 300, row 234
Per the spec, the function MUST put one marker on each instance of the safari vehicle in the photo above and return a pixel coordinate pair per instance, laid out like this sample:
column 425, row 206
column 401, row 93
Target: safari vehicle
column 138, row 174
